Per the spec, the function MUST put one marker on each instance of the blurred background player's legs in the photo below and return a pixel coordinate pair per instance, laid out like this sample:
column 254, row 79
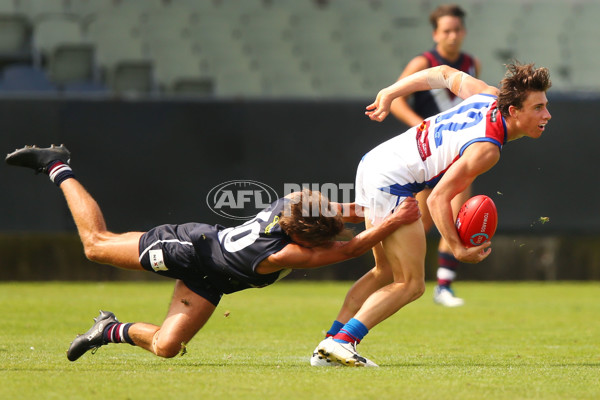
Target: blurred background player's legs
column 443, row 293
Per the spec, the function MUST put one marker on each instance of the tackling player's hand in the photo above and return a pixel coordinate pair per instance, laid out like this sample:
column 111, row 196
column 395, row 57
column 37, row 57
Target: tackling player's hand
column 407, row 212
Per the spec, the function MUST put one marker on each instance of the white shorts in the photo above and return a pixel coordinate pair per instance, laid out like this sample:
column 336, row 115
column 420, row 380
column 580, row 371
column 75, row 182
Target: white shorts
column 380, row 203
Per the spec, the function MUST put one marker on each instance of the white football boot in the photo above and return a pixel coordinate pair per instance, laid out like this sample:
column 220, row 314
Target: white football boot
column 444, row 296
column 343, row 353
column 319, row 360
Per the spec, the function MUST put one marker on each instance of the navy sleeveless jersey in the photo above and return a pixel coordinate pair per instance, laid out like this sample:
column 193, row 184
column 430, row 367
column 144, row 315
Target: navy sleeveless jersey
column 432, row 102
column 232, row 254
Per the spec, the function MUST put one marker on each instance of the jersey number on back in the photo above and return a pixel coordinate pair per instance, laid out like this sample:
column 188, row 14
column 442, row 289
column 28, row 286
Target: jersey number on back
column 240, row 237
column 463, row 117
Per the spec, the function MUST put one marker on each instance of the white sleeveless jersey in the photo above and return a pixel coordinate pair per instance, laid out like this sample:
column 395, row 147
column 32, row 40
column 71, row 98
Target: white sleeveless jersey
column 418, row 158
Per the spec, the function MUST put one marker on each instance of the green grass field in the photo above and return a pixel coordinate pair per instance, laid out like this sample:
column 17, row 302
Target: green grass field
column 510, row 341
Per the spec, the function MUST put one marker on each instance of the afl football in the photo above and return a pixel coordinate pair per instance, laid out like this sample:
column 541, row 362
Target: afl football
column 476, row 221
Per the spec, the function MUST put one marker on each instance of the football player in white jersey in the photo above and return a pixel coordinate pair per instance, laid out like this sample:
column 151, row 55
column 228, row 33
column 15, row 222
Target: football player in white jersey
column 447, row 152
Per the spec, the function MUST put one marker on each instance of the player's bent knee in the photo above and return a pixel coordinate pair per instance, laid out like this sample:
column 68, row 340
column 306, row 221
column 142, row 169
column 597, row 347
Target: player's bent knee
column 417, row 289
column 167, row 348
column 166, row 352
column 420, row 290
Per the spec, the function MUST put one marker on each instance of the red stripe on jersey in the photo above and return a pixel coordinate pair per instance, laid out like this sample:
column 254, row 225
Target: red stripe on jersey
column 433, row 181
column 468, row 64
column 465, row 63
column 433, row 62
column 494, row 124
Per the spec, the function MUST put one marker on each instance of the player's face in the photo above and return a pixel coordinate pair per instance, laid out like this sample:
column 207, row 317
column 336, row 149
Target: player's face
column 534, row 115
column 449, row 34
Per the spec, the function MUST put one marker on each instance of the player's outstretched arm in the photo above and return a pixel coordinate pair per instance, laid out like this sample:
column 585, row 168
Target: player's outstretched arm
column 296, row 256
column 400, row 107
column 443, row 76
column 350, row 212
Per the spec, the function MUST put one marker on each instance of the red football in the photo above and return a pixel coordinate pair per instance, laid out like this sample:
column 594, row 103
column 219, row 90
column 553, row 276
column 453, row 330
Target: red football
column 477, row 221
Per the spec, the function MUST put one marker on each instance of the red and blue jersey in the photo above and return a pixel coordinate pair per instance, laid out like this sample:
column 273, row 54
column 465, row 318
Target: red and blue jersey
column 418, row 158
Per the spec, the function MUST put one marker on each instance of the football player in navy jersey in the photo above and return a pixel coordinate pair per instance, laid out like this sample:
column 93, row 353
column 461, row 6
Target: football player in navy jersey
column 449, row 32
column 295, row 232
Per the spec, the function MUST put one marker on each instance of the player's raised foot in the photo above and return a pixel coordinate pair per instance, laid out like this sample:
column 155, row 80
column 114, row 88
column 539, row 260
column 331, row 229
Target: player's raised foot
column 93, row 338
column 319, row 360
column 38, row 158
column 444, row 296
column 343, row 353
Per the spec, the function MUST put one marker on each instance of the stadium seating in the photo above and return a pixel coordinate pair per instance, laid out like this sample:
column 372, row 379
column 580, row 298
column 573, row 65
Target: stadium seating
column 59, row 46
column 120, row 51
column 177, row 68
column 71, row 63
column 37, row 10
column 15, row 31
column 295, row 6
column 403, row 9
column 305, row 47
column 235, row 83
column 26, row 79
column 49, row 33
column 284, row 83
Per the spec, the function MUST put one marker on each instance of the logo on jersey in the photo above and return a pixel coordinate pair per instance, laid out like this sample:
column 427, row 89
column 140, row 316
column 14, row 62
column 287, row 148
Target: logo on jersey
column 423, row 140
column 240, row 199
column 157, row 261
column 493, row 114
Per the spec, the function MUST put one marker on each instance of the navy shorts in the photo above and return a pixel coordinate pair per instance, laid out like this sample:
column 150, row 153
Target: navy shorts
column 168, row 250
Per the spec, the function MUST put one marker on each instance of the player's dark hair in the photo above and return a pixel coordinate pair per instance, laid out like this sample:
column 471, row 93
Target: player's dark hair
column 520, row 79
column 446, row 10
column 311, row 218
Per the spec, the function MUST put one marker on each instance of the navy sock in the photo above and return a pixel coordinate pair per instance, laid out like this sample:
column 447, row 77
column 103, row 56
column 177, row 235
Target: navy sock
column 446, row 272
column 117, row 333
column 353, row 331
column 58, row 172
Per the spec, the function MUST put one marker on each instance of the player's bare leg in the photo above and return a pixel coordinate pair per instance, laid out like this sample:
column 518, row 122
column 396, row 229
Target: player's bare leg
column 405, row 251
column 99, row 244
column 422, row 197
column 376, row 278
column 188, row 311
column 379, row 276
column 404, row 254
column 187, row 314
